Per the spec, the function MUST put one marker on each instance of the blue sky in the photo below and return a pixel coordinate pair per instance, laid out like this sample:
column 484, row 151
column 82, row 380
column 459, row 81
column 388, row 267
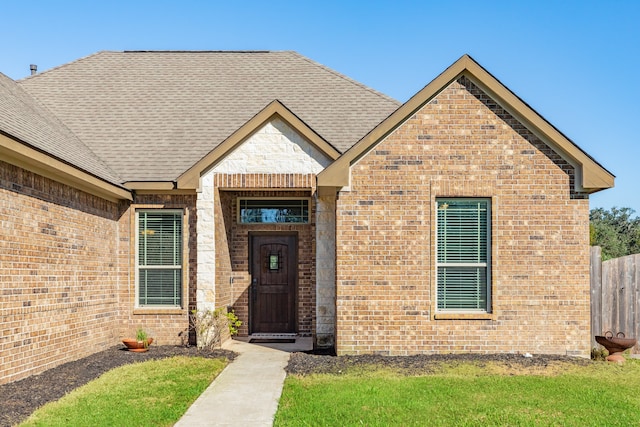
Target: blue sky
column 574, row 62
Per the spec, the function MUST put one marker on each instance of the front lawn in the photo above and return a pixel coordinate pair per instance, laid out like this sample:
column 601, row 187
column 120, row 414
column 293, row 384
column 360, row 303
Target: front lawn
column 152, row 393
column 466, row 394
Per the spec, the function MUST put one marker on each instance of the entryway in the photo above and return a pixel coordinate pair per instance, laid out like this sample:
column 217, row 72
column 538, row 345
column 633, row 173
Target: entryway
column 274, row 272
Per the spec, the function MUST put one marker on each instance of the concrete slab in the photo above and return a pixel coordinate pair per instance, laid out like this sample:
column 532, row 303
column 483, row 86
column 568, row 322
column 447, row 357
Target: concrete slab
column 248, row 390
column 301, row 344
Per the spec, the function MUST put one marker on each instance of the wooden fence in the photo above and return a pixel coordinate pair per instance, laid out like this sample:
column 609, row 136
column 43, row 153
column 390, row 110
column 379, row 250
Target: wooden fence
column 615, row 296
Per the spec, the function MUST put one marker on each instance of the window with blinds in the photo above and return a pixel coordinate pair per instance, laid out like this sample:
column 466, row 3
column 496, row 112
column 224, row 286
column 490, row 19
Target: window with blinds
column 159, row 258
column 463, row 255
column 273, row 211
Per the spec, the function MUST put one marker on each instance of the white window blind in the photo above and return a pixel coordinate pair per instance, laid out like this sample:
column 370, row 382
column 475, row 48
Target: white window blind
column 463, row 255
column 159, row 258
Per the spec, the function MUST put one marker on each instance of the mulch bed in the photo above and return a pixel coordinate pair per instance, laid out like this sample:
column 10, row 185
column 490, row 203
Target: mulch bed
column 20, row 398
column 305, row 364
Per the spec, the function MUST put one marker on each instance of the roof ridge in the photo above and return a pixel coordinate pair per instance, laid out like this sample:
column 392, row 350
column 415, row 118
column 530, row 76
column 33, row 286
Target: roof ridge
column 197, row 51
column 344, row 77
column 58, row 67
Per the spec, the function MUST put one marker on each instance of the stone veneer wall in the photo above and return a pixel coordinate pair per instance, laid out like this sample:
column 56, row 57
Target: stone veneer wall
column 326, row 271
column 206, row 247
column 274, row 157
column 275, row 148
column 59, row 273
column 462, row 144
column 275, row 161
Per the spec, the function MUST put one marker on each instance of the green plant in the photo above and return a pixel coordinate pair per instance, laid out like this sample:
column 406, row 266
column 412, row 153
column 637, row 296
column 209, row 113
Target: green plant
column 142, row 336
column 234, row 322
column 210, row 325
column 616, row 231
column 599, row 354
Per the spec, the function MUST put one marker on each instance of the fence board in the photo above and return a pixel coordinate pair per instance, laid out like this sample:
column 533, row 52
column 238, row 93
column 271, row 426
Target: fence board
column 636, row 302
column 621, row 267
column 596, row 294
column 627, row 323
column 608, row 297
column 615, row 296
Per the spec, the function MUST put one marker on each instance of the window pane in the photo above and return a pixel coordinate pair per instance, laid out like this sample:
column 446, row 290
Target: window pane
column 462, row 288
column 462, row 231
column 160, row 238
column 254, row 211
column 160, row 287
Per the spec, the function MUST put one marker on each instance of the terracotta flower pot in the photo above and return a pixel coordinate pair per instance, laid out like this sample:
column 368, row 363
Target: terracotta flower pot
column 137, row 346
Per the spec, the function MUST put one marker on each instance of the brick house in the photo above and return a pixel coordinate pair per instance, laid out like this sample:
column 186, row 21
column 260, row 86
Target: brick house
column 138, row 186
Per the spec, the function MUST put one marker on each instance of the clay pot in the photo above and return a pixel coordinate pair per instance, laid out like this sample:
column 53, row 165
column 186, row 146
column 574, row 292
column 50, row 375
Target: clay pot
column 137, row 346
column 615, row 358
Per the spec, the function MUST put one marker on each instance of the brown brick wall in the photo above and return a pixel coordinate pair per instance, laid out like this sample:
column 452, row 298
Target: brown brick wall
column 223, row 216
column 165, row 326
column 264, row 180
column 232, row 244
column 462, row 144
column 58, row 275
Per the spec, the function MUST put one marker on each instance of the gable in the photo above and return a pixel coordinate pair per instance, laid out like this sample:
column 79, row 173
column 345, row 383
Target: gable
column 274, row 148
column 590, row 176
column 290, row 131
column 464, row 138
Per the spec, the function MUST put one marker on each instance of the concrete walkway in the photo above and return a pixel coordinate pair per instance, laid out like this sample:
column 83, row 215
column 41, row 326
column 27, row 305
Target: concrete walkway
column 247, row 391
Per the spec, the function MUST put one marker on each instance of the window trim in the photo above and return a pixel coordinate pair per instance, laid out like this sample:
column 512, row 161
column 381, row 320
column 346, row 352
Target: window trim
column 453, row 313
column 239, row 216
column 136, row 245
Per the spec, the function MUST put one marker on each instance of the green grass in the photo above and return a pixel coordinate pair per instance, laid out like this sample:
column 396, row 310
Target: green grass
column 598, row 394
column 153, row 393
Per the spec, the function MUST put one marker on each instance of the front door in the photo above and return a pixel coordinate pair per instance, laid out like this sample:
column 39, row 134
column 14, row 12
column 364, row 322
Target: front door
column 273, row 283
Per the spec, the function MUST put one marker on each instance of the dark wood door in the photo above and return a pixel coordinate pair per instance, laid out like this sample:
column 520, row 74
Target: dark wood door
column 273, row 283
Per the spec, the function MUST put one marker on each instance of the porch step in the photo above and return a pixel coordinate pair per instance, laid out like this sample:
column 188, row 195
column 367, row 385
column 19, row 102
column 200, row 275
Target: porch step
column 266, row 335
column 273, row 338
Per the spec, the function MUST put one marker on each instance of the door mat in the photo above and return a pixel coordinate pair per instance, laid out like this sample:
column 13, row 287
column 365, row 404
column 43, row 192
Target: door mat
column 272, row 340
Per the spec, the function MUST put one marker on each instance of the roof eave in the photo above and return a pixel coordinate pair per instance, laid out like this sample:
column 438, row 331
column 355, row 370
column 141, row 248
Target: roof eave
column 21, row 155
column 150, row 185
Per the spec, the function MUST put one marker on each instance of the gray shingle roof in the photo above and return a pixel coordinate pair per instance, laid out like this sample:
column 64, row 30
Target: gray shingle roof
column 23, row 118
column 152, row 115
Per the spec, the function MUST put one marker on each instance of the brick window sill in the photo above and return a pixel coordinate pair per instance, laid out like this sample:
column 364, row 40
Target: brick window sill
column 464, row 316
column 160, row 311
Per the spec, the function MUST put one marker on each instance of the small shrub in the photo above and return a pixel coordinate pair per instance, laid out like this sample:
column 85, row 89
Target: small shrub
column 234, row 322
column 208, row 326
column 599, row 354
column 211, row 325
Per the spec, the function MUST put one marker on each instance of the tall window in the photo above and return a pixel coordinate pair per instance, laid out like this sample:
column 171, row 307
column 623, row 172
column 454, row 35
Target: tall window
column 464, row 253
column 159, row 258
